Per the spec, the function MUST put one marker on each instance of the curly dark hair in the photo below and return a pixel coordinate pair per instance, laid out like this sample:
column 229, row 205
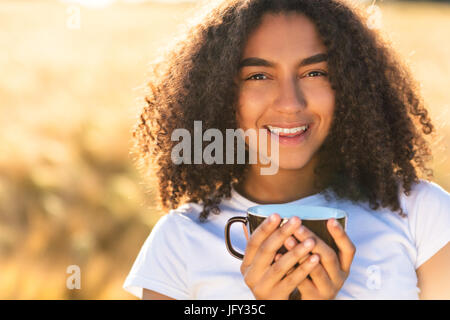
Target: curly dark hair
column 373, row 147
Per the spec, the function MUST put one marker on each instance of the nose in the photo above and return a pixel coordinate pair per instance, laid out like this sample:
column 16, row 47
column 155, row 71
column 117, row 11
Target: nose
column 290, row 97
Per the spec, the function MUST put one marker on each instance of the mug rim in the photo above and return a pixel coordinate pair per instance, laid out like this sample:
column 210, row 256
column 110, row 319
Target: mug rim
column 333, row 212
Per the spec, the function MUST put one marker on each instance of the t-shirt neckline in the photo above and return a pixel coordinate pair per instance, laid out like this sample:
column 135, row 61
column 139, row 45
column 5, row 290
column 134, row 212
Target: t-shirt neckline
column 248, row 203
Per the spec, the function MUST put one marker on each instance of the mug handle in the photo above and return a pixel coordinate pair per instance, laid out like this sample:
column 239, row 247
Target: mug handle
column 230, row 248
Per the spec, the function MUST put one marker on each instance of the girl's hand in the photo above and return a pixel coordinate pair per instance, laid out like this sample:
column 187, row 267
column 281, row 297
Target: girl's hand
column 266, row 278
column 328, row 276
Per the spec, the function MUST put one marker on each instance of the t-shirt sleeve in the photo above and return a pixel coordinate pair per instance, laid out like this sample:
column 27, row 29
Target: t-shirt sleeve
column 429, row 219
column 161, row 263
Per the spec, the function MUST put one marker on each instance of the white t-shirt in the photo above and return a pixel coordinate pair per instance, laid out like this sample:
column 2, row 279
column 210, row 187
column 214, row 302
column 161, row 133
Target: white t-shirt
column 185, row 259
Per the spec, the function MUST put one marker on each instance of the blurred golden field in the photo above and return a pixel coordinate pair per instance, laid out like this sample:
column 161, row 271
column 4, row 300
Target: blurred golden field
column 69, row 193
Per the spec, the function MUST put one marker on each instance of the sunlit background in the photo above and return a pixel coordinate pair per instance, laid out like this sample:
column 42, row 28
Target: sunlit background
column 71, row 84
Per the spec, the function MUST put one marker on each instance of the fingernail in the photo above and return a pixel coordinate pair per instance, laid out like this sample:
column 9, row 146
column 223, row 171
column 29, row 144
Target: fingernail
column 336, row 224
column 308, row 243
column 273, row 218
column 301, row 230
column 291, row 242
column 292, row 221
column 314, row 259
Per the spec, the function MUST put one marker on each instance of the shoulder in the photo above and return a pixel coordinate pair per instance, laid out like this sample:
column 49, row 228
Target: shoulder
column 173, row 227
column 428, row 210
column 424, row 194
column 185, row 214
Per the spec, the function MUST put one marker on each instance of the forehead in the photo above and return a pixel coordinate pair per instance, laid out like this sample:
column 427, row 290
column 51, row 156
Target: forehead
column 283, row 34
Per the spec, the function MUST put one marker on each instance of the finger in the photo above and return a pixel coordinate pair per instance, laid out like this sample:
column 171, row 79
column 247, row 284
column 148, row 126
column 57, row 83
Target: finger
column 261, row 233
column 304, row 258
column 268, row 249
column 245, row 231
column 346, row 248
column 296, row 277
column 290, row 243
column 307, row 289
column 286, row 262
column 323, row 282
column 328, row 257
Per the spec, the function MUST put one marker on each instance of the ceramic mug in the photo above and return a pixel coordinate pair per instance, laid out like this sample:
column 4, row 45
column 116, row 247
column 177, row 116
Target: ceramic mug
column 313, row 217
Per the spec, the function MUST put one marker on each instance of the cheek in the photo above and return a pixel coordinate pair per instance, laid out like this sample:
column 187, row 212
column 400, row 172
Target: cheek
column 251, row 107
column 324, row 105
column 327, row 109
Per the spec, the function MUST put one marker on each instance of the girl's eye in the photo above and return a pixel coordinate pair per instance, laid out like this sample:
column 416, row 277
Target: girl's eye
column 258, row 76
column 313, row 74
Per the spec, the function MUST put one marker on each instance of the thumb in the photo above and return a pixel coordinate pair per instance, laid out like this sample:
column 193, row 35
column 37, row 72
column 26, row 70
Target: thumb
column 245, row 231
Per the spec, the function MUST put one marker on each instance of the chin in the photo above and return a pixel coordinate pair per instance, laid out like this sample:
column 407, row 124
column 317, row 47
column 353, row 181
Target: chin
column 292, row 163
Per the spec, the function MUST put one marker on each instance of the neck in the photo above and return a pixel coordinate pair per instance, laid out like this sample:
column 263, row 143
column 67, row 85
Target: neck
column 285, row 186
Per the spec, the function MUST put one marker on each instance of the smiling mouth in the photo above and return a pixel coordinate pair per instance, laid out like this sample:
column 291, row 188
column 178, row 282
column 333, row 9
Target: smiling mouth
column 288, row 132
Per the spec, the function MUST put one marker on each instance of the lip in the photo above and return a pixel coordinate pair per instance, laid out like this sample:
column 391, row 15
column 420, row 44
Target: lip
column 293, row 139
column 288, row 125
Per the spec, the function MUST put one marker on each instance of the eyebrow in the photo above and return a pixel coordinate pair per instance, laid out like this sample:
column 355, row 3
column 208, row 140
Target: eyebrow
column 259, row 62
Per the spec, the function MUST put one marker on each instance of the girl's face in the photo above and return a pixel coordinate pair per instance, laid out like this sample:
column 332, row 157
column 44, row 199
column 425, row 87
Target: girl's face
column 284, row 87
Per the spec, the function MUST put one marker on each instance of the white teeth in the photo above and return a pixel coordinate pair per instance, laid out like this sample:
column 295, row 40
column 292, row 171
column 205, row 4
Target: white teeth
column 277, row 130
